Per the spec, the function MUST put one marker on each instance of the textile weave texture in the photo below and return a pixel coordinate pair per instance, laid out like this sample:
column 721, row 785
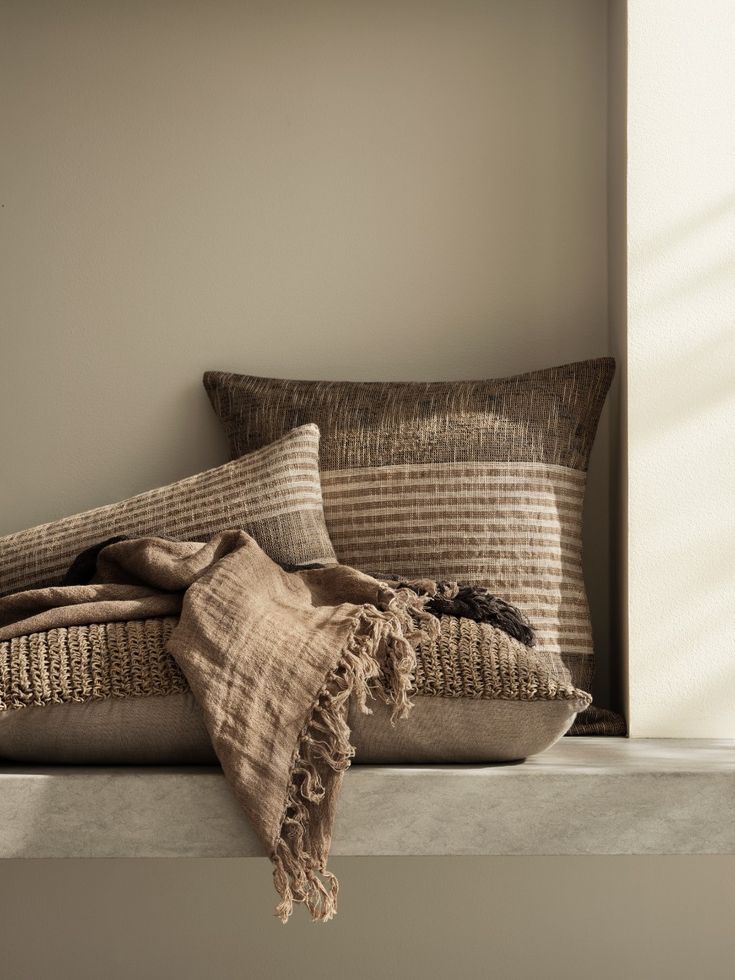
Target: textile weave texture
column 129, row 659
column 475, row 481
column 273, row 493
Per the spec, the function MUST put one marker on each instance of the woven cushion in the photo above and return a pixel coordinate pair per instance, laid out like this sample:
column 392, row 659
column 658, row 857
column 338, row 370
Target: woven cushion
column 478, row 481
column 273, row 493
column 110, row 694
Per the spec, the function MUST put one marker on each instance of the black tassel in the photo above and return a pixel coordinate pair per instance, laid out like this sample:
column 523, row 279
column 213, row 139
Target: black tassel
column 481, row 606
column 469, row 602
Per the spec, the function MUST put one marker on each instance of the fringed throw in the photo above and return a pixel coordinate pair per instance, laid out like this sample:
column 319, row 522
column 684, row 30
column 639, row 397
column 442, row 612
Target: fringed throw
column 272, row 658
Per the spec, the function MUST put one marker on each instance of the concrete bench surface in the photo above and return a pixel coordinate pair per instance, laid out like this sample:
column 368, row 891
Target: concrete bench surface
column 583, row 796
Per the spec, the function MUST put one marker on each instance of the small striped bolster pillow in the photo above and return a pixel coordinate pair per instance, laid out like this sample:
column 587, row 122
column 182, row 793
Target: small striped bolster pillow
column 273, row 493
column 476, row 481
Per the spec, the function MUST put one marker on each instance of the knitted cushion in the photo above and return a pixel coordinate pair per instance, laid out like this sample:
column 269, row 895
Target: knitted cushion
column 111, row 694
column 273, row 494
column 476, row 481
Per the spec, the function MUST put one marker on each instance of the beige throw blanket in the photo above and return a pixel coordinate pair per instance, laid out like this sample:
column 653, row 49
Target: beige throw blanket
column 273, row 659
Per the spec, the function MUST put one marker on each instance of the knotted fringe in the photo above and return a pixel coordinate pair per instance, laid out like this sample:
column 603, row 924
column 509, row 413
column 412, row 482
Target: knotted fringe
column 378, row 661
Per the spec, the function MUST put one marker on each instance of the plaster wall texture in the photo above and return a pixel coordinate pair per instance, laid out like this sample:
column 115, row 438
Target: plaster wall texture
column 681, row 368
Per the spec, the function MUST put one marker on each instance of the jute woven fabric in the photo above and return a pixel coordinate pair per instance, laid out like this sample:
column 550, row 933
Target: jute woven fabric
column 89, row 663
column 479, row 661
column 130, row 660
column 273, row 493
column 476, row 481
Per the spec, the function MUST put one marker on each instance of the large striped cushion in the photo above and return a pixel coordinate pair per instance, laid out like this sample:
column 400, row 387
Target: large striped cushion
column 273, row 493
column 481, row 481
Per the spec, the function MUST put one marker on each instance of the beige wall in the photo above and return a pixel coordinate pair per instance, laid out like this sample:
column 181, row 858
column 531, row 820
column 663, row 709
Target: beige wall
column 617, row 259
column 405, row 189
column 681, row 367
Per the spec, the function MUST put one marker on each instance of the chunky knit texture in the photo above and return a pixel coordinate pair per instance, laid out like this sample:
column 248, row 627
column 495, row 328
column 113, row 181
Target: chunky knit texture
column 130, row 660
column 89, row 663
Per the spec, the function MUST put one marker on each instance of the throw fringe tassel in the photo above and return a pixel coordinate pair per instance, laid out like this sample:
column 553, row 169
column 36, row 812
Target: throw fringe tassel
column 379, row 661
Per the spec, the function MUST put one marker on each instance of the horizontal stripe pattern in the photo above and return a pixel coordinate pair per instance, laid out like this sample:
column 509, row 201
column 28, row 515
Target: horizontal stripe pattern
column 273, row 493
column 483, row 480
column 515, row 528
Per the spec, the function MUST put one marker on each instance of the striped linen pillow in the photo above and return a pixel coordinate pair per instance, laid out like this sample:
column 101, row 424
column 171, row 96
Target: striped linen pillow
column 480, row 481
column 273, row 493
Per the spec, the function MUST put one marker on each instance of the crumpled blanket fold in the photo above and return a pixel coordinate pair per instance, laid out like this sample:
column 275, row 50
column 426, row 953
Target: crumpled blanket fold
column 273, row 658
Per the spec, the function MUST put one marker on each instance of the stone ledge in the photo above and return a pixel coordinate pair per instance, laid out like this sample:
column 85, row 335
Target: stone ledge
column 584, row 796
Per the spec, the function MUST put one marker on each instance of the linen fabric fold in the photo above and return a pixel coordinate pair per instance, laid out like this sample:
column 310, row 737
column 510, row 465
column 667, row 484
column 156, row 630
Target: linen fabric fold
column 273, row 659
